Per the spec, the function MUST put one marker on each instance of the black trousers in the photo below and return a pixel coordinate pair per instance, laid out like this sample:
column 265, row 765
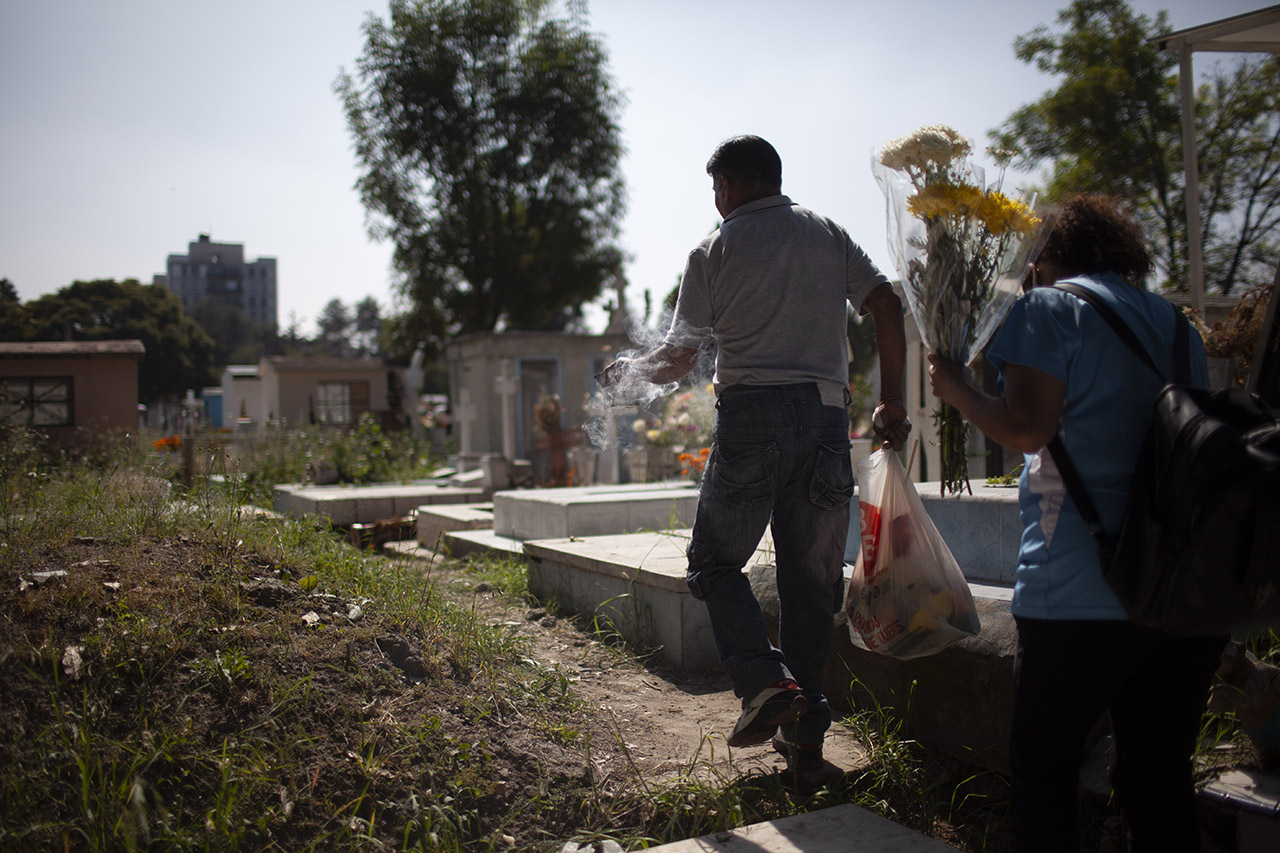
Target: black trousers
column 1154, row 686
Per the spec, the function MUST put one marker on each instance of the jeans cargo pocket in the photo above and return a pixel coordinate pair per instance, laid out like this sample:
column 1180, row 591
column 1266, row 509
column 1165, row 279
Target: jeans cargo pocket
column 743, row 471
column 832, row 483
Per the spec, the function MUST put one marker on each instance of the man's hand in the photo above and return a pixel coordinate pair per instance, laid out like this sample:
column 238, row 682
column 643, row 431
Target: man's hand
column 667, row 363
column 890, row 423
column 613, row 374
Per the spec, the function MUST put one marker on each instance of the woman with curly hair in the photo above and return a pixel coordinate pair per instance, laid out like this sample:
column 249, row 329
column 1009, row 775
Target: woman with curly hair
column 1064, row 371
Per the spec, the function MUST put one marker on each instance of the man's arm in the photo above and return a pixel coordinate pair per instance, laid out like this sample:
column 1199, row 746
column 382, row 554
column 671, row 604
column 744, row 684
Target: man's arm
column 889, row 422
column 666, row 363
column 1024, row 418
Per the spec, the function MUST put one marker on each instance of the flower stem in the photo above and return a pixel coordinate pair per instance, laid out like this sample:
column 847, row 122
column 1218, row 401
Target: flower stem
column 953, row 448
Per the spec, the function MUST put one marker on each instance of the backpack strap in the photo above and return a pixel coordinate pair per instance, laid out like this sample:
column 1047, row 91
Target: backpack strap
column 1181, row 333
column 1057, row 448
column 1080, row 497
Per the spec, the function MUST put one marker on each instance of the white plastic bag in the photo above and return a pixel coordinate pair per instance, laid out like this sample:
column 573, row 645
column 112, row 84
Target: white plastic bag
column 908, row 597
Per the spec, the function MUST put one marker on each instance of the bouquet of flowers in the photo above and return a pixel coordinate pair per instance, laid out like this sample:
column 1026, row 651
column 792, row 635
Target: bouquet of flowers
column 960, row 246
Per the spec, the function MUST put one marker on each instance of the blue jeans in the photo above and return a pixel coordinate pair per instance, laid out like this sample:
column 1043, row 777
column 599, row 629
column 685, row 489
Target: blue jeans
column 778, row 456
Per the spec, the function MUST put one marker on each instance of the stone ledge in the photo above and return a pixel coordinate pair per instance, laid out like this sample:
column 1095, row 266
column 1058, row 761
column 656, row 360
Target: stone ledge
column 368, row 503
column 461, row 543
column 846, row 828
column 593, row 510
column 653, row 559
column 635, row 583
column 436, row 520
column 958, row 701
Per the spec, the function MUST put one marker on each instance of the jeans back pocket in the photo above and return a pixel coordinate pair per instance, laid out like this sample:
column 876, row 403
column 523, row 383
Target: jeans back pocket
column 832, row 483
column 743, row 473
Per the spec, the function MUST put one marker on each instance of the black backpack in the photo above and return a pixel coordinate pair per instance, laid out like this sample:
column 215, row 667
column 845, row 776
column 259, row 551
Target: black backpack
column 1199, row 548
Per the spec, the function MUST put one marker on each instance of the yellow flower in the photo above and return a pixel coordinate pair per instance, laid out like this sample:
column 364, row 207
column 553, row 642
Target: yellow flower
column 1001, row 214
column 945, row 199
column 998, row 213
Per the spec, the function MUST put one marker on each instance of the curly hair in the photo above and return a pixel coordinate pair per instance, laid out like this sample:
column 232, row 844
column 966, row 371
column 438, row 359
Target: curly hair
column 1094, row 234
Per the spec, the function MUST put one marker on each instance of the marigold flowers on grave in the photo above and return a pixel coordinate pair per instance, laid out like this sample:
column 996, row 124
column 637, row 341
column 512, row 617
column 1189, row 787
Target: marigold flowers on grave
column 695, row 464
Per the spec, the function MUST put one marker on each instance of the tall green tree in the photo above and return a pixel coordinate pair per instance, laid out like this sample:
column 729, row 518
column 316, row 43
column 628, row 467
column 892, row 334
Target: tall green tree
column 1113, row 124
column 12, row 315
column 179, row 353
column 367, row 322
column 488, row 137
column 237, row 339
column 335, row 326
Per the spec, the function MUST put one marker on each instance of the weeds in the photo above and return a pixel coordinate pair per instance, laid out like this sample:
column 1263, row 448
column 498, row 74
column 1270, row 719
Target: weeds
column 203, row 711
column 247, row 683
column 254, row 463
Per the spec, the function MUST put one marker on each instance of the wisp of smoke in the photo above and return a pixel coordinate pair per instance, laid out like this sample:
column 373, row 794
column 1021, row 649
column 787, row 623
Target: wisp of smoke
column 632, row 393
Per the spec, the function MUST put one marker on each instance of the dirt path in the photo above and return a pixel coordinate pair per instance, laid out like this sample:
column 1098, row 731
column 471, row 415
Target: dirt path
column 664, row 721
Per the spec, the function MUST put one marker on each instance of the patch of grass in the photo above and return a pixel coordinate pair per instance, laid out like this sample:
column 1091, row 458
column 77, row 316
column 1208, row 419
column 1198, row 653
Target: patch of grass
column 182, row 672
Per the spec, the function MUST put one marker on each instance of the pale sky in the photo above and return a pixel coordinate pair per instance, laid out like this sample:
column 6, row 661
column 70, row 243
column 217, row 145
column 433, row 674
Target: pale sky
column 130, row 127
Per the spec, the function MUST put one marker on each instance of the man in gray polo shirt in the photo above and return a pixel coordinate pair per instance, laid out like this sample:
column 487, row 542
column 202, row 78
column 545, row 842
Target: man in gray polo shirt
column 771, row 287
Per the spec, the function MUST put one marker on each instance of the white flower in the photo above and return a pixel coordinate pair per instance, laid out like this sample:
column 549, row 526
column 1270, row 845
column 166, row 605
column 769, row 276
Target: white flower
column 935, row 145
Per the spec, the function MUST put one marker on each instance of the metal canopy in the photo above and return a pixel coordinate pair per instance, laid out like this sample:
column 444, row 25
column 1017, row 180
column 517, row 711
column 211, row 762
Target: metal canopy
column 1252, row 32
column 1257, row 32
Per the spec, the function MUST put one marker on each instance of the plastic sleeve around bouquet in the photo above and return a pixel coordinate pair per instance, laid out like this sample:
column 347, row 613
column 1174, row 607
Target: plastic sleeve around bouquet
column 907, row 597
column 956, row 294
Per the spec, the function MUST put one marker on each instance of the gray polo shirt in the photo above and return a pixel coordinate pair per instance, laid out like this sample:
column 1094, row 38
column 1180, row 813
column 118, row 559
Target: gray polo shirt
column 771, row 286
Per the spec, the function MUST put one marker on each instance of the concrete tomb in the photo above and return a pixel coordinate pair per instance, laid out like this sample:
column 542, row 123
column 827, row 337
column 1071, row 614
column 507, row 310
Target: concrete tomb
column 365, row 504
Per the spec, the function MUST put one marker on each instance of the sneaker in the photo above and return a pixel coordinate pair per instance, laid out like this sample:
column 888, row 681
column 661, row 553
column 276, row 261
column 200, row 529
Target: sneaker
column 782, row 702
column 801, row 757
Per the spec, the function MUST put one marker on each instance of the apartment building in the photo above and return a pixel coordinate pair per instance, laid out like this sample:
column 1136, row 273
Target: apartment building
column 219, row 272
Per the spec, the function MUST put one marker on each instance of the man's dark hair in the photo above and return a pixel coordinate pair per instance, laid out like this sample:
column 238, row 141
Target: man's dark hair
column 748, row 159
column 1094, row 235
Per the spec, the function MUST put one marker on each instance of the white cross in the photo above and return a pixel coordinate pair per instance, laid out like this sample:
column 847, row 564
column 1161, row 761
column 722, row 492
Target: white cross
column 505, row 384
column 464, row 416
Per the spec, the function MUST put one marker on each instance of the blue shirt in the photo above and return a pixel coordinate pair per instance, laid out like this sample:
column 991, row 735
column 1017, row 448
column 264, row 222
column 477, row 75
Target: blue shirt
column 1106, row 415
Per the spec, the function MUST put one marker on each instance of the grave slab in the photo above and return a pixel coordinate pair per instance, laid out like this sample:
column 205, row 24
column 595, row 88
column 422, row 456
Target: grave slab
column 436, row 520
column 461, row 543
column 365, row 504
column 983, row 530
column 635, row 582
column 845, row 828
column 1250, row 800
column 593, row 510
